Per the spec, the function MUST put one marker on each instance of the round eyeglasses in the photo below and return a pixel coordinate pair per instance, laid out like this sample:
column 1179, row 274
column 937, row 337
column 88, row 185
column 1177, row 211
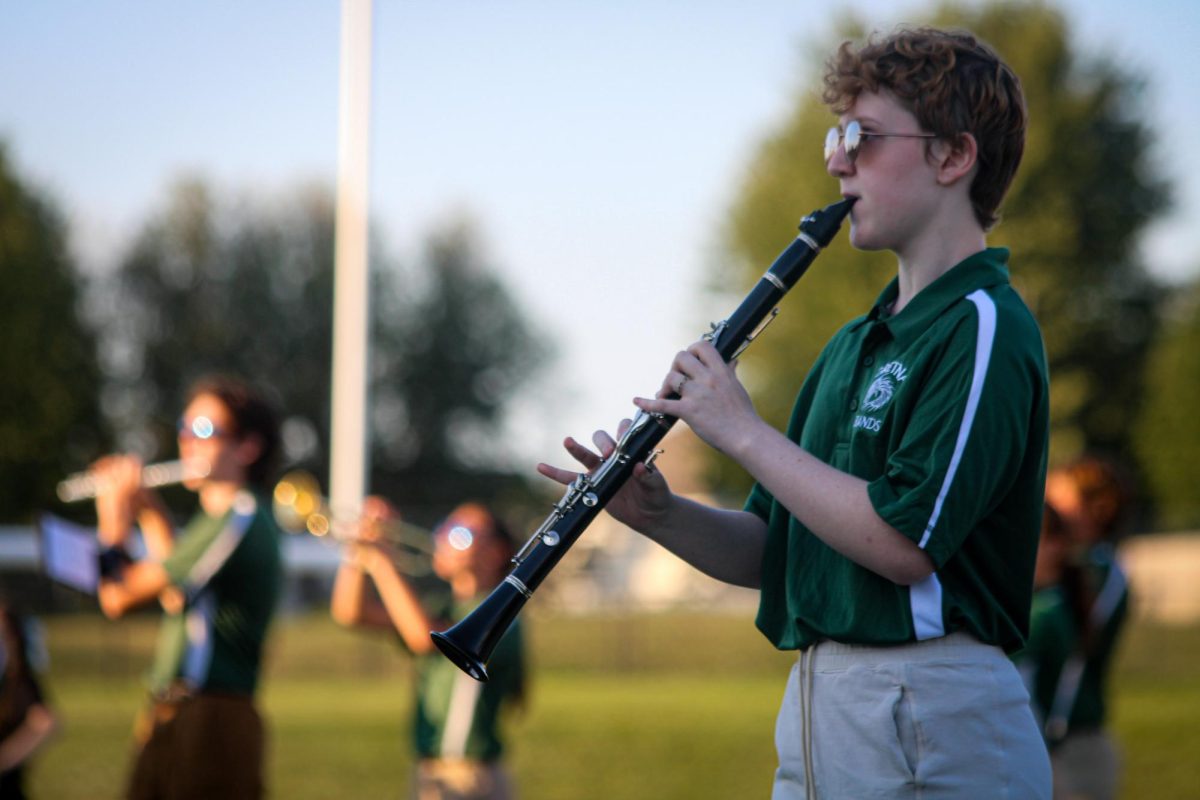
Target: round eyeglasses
column 853, row 137
column 199, row 427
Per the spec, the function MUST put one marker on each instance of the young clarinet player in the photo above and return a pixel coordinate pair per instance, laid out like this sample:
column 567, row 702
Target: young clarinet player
column 893, row 526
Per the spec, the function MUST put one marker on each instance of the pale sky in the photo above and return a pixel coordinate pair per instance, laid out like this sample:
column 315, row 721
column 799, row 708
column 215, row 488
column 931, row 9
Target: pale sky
column 598, row 144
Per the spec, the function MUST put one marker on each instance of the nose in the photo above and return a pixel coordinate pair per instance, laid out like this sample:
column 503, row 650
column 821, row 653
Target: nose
column 839, row 165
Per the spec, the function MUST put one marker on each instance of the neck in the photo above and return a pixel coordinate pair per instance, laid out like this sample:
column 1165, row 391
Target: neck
column 468, row 585
column 921, row 266
column 217, row 496
column 935, row 252
column 465, row 586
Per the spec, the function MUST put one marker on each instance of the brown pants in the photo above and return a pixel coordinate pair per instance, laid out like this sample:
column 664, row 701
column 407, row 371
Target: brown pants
column 206, row 746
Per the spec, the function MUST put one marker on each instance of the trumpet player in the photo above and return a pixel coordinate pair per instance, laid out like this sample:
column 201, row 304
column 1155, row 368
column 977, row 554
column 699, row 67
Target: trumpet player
column 456, row 725
column 217, row 579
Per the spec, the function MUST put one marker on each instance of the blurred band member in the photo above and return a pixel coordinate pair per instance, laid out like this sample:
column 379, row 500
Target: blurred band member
column 456, row 725
column 26, row 719
column 1091, row 495
column 217, row 580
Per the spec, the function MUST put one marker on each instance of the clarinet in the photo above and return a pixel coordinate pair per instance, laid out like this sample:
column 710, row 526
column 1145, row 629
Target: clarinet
column 470, row 643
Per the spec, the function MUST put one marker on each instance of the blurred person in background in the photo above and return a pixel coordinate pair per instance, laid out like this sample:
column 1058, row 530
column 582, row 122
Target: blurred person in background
column 1091, row 496
column 218, row 581
column 27, row 722
column 1060, row 634
column 456, row 721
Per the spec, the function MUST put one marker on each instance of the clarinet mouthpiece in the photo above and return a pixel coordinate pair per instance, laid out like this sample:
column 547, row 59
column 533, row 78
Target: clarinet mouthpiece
column 823, row 224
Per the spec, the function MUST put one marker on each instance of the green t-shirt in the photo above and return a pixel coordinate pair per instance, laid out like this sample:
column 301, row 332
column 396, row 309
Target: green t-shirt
column 459, row 717
column 943, row 410
column 230, row 570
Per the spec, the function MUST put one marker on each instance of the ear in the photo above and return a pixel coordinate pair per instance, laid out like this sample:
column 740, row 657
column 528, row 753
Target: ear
column 955, row 160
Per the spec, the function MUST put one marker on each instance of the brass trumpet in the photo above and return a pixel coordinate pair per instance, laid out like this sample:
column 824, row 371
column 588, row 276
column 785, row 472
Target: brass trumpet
column 300, row 507
column 84, row 486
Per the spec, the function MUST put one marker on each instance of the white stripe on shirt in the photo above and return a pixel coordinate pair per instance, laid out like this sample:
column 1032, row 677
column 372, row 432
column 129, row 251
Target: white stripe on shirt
column 197, row 656
column 460, row 717
column 219, row 550
column 925, row 597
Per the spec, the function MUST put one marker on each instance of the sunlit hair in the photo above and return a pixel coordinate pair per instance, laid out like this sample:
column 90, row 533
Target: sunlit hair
column 953, row 84
column 1104, row 492
column 253, row 415
column 1053, row 526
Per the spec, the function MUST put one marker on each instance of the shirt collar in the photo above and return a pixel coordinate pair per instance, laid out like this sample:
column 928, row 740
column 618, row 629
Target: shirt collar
column 981, row 270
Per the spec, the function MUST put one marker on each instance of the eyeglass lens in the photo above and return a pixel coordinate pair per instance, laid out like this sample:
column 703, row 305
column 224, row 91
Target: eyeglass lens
column 198, row 428
column 460, row 537
column 851, row 139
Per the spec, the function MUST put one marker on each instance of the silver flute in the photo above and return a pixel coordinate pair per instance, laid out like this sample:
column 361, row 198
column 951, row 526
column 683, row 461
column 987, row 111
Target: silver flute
column 85, row 486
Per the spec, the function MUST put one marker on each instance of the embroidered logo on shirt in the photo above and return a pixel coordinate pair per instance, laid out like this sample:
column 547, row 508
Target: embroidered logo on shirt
column 880, row 392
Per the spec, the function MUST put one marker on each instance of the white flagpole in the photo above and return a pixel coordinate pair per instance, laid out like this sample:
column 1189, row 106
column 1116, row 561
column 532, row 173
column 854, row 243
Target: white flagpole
column 348, row 430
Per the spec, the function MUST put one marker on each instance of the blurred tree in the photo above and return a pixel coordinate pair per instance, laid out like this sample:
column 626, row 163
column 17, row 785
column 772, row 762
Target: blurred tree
column 1168, row 429
column 48, row 406
column 456, row 357
column 1083, row 193
column 213, row 285
column 207, row 287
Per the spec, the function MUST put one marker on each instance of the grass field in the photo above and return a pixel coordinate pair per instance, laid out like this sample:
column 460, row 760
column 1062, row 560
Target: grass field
column 646, row 706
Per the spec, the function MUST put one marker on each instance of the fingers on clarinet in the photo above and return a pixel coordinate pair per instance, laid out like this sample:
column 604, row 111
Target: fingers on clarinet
column 703, row 351
column 582, row 454
column 604, row 443
column 555, row 474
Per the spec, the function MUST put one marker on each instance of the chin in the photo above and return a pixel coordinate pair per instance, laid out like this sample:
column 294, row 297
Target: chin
column 866, row 237
column 862, row 240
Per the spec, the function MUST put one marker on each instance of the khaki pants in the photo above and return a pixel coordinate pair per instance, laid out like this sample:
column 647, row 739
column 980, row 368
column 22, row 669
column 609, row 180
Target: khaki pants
column 460, row 779
column 205, row 746
column 944, row 719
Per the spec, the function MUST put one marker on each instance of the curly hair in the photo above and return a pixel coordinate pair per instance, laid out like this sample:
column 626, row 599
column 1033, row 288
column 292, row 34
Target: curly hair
column 953, row 84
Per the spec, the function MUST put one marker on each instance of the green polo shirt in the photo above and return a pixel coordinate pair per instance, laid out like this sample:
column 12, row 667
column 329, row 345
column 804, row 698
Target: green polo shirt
column 230, row 570
column 943, row 410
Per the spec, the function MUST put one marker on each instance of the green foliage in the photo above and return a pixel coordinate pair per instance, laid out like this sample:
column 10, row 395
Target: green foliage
column 1084, row 191
column 213, row 284
column 48, row 403
column 1168, row 429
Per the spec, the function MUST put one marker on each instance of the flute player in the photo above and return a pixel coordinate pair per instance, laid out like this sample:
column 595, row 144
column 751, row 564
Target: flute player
column 218, row 581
